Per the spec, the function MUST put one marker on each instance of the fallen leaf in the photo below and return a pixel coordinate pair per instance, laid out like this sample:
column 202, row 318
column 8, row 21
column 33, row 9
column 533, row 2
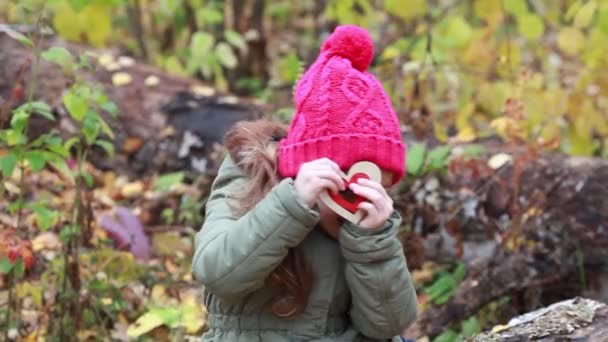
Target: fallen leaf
column 12, row 188
column 151, row 81
column 131, row 190
column 202, row 90
column 499, row 328
column 121, row 79
column 46, row 241
column 499, row 160
column 127, row 232
column 168, row 243
column 132, row 145
column 126, row 61
column 105, row 59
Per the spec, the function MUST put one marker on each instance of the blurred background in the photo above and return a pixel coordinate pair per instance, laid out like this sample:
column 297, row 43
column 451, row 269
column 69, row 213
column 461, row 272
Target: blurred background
column 103, row 190
column 453, row 61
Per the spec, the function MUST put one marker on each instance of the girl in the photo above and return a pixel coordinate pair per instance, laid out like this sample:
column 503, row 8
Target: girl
column 276, row 263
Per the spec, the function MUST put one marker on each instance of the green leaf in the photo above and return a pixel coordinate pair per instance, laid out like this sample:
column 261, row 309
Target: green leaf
column 46, row 217
column 110, row 107
column 473, row 151
column 584, row 16
column 225, row 55
column 60, row 56
column 236, row 39
column 516, row 7
column 61, row 165
column 107, row 146
column 19, row 120
column 19, row 268
column 208, row 16
column 76, row 105
column 90, row 128
column 602, row 19
column 14, row 137
column 447, row 336
column 166, row 182
column 470, row 327
column 36, row 160
column 8, row 163
column 290, row 67
column 438, row 157
column 88, row 178
column 201, row 44
column 5, row 265
column 531, row 26
column 37, row 107
column 16, row 36
column 70, row 143
column 415, row 159
column 105, row 128
column 573, row 10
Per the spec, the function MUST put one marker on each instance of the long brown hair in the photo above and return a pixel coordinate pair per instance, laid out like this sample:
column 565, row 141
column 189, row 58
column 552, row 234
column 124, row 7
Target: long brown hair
column 253, row 145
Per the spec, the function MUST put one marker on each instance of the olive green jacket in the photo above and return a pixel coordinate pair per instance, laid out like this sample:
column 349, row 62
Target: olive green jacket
column 363, row 290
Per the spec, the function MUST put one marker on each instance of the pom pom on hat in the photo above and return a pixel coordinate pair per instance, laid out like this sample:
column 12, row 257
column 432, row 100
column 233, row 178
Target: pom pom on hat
column 353, row 43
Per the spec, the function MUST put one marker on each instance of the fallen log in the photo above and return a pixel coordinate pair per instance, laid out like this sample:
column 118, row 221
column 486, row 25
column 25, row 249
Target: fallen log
column 556, row 235
column 165, row 123
column 577, row 319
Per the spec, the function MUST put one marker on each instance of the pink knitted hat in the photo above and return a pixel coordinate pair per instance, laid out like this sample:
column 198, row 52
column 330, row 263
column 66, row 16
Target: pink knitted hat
column 342, row 111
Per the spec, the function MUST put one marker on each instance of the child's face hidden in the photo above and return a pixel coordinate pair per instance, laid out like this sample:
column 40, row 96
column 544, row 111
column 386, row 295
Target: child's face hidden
column 331, row 222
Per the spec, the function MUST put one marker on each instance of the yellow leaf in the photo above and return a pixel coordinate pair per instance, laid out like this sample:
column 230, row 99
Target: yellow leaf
column 96, row 21
column 144, row 324
column 499, row 328
column 193, row 314
column 530, row 26
column 491, row 96
column 413, row 9
column 466, row 134
column 585, row 15
column 458, row 31
column 571, row 40
column 441, row 133
column 510, row 50
column 121, row 78
column 490, row 10
column 169, row 243
column 390, row 53
column 463, row 116
column 66, row 22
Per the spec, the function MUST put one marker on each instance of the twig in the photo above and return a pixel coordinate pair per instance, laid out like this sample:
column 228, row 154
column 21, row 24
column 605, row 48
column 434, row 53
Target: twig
column 134, row 10
column 9, row 302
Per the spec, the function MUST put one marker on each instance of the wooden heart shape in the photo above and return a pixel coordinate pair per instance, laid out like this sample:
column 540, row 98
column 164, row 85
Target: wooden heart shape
column 346, row 203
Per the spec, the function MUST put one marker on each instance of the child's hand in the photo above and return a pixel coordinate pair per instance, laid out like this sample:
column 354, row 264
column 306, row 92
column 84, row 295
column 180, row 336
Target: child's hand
column 315, row 177
column 380, row 205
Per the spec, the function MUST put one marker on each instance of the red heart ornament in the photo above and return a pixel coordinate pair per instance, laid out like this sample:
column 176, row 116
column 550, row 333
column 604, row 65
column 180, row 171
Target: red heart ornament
column 347, row 199
column 346, row 203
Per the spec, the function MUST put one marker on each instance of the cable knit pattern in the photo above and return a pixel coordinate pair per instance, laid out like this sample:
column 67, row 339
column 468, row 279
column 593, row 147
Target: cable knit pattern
column 342, row 110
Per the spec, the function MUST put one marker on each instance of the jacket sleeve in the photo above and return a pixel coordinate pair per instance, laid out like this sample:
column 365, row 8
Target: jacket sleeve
column 384, row 301
column 233, row 257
